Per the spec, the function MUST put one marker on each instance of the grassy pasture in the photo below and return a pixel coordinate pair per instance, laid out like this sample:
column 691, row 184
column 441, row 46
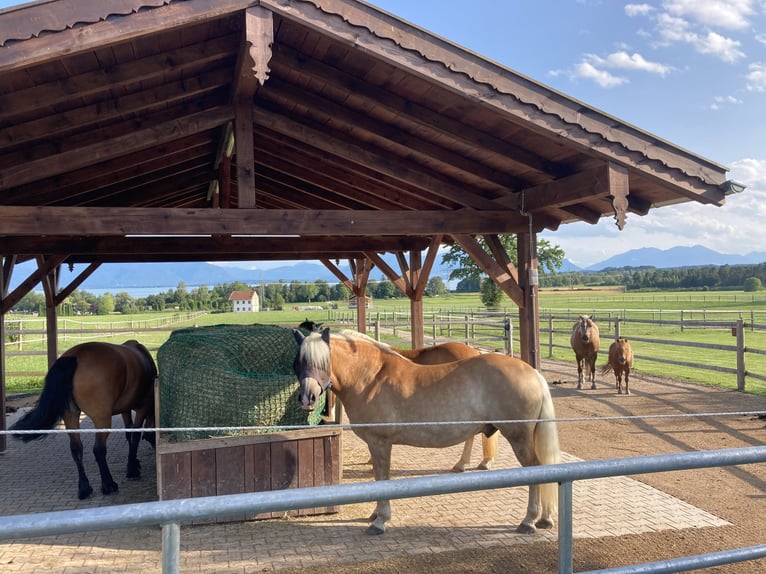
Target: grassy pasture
column 605, row 304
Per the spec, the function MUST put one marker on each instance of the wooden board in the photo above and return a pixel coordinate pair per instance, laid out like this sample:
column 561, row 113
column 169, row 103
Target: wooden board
column 233, row 465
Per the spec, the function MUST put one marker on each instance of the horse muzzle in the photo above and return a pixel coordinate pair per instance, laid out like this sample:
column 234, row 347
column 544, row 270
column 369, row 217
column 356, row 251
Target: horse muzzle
column 308, row 393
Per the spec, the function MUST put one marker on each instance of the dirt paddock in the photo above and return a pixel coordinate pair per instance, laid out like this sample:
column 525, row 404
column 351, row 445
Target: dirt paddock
column 441, row 534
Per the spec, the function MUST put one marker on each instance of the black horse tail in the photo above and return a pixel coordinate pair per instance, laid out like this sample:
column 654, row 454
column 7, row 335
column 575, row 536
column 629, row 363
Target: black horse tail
column 53, row 402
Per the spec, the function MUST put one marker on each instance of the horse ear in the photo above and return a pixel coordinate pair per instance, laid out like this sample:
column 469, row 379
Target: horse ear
column 326, row 335
column 298, row 337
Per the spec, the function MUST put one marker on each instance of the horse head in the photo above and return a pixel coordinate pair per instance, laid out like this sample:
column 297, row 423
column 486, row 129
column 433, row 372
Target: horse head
column 311, row 326
column 312, row 366
column 584, row 326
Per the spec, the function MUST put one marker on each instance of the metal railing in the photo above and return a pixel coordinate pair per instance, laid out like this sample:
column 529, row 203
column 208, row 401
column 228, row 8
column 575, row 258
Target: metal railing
column 171, row 513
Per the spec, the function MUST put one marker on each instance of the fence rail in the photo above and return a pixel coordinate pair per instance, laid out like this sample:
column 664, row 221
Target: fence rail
column 171, row 513
column 494, row 331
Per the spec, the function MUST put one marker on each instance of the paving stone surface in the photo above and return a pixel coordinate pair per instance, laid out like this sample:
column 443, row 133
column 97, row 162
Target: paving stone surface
column 40, row 476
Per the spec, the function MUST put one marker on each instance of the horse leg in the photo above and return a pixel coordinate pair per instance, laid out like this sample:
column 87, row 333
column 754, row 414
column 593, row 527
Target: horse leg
column 381, row 466
column 580, row 377
column 489, row 450
column 127, row 420
column 618, row 380
column 134, row 439
column 539, row 514
column 627, row 388
column 72, row 421
column 465, row 458
column 592, row 365
column 108, row 485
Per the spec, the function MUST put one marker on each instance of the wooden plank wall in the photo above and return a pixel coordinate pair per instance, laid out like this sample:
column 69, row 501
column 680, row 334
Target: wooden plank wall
column 234, row 465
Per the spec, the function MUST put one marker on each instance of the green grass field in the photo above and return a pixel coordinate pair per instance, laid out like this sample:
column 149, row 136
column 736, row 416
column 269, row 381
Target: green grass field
column 25, row 354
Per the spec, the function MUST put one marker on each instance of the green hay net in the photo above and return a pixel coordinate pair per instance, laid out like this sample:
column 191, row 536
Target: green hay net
column 230, row 375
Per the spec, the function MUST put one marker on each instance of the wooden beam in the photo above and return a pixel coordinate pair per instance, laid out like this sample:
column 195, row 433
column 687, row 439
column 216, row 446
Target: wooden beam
column 28, row 284
column 223, row 244
column 98, row 35
column 501, row 276
column 35, row 220
column 92, row 154
column 393, row 276
column 401, row 170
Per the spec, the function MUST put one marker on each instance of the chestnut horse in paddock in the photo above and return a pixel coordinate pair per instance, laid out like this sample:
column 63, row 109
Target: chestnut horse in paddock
column 621, row 362
column 585, row 343
column 101, row 380
column 447, row 353
column 378, row 385
column 434, row 355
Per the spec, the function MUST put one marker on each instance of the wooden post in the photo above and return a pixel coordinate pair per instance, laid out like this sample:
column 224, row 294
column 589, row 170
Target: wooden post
column 741, row 371
column 529, row 326
column 3, row 363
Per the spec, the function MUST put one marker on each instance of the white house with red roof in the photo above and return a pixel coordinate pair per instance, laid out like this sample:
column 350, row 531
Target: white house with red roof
column 243, row 301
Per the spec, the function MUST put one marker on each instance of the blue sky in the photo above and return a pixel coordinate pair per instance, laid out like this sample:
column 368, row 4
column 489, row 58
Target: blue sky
column 692, row 72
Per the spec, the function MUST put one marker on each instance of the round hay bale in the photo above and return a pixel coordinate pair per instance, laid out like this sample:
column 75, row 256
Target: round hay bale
column 229, row 375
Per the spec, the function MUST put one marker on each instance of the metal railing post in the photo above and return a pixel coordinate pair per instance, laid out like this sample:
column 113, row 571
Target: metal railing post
column 171, row 548
column 566, row 562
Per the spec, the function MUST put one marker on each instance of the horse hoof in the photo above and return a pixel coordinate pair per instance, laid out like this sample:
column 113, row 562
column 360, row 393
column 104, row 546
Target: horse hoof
column 593, row 386
column 545, row 523
column 525, row 528
column 579, row 386
column 483, row 466
column 108, row 489
column 374, row 530
column 134, row 477
column 458, row 468
column 84, row 493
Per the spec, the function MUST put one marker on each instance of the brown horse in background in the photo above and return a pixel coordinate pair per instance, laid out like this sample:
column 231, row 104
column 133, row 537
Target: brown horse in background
column 585, row 343
column 621, row 362
column 101, row 380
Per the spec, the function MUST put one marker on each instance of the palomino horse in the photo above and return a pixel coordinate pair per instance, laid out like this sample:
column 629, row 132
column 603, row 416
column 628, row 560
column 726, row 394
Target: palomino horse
column 447, row 353
column 378, row 385
column 434, row 355
column 101, row 380
column 621, row 362
column 585, row 343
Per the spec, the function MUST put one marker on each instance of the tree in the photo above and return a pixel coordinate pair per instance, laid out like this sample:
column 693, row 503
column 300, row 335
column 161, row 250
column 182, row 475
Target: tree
column 105, row 304
column 491, row 294
column 435, row 287
column 550, row 257
column 753, row 284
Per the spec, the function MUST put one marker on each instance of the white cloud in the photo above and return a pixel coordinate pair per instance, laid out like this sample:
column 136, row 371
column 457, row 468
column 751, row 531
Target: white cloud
column 756, row 77
column 721, row 101
column 728, row 14
column 601, row 77
column 625, row 61
column 733, row 228
column 722, row 47
column 638, row 9
column 674, row 30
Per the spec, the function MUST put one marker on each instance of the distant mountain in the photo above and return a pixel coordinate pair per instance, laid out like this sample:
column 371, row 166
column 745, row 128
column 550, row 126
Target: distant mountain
column 676, row 257
column 163, row 276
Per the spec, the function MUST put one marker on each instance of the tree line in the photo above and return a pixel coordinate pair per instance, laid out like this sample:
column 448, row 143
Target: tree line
column 709, row 277
column 214, row 299
column 277, row 295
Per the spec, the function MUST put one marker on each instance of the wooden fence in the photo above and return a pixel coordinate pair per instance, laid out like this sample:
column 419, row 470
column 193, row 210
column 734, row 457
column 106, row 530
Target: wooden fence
column 493, row 331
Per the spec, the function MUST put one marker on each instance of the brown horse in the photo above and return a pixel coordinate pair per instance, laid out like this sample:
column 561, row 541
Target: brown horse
column 447, row 353
column 377, row 385
column 621, row 362
column 585, row 343
column 101, row 380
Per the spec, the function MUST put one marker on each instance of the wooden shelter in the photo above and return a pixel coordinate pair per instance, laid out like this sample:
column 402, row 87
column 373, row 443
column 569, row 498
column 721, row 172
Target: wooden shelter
column 184, row 130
